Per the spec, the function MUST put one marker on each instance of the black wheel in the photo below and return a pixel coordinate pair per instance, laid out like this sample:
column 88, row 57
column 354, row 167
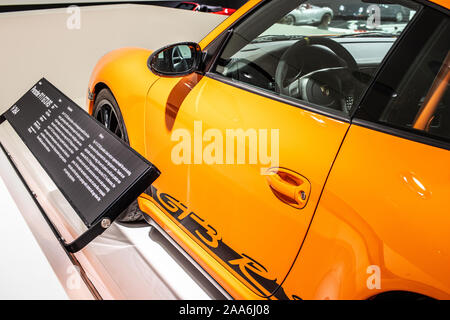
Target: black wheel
column 107, row 112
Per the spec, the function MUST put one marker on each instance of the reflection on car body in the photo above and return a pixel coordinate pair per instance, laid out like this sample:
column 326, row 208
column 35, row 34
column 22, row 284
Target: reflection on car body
column 194, row 6
column 309, row 14
column 388, row 12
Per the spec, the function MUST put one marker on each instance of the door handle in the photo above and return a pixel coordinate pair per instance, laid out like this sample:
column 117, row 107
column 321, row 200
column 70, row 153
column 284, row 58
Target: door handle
column 289, row 187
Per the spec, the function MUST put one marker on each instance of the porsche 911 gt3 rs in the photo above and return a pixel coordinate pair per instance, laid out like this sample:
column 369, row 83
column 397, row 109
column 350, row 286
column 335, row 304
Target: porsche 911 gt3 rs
column 356, row 206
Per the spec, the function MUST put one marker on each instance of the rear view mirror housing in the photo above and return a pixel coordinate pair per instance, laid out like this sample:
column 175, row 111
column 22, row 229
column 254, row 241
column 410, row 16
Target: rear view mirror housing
column 176, row 60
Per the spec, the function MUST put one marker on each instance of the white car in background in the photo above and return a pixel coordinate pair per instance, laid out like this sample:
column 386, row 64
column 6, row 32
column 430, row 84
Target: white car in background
column 310, row 15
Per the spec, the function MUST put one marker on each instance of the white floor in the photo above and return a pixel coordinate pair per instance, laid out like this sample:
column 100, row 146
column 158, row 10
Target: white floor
column 25, row 272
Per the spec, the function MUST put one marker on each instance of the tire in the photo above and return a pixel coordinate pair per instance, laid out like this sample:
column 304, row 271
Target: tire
column 325, row 21
column 289, row 20
column 105, row 104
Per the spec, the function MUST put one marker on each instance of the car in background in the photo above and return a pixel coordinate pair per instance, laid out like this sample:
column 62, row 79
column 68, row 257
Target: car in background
column 194, row 6
column 388, row 12
column 310, row 15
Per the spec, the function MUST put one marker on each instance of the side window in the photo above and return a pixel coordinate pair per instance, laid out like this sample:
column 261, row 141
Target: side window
column 413, row 93
column 322, row 53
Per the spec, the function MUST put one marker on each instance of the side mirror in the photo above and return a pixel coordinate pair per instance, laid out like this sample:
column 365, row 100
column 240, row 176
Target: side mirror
column 176, row 60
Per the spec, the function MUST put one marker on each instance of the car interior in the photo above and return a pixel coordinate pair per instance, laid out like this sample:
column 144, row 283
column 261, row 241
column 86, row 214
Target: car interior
column 423, row 97
column 328, row 68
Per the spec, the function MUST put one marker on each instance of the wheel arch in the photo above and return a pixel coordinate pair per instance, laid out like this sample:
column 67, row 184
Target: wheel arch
column 293, row 17
column 125, row 74
column 99, row 86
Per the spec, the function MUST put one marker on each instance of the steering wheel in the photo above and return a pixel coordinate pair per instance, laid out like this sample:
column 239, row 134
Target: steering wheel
column 249, row 71
column 179, row 63
column 332, row 87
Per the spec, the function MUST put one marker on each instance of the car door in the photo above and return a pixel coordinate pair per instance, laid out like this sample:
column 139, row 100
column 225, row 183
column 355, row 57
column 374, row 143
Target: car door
column 247, row 163
column 308, row 13
column 385, row 208
column 257, row 219
column 316, row 14
column 251, row 222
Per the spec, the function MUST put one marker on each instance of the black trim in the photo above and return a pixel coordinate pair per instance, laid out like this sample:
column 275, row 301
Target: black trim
column 209, row 61
column 433, row 5
column 401, row 133
column 230, row 30
column 338, row 115
column 386, row 59
column 216, row 46
column 193, row 69
column 389, row 76
column 305, row 105
column 237, row 262
column 400, row 295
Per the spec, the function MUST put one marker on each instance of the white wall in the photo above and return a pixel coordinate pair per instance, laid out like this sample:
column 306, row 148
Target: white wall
column 19, row 2
column 38, row 43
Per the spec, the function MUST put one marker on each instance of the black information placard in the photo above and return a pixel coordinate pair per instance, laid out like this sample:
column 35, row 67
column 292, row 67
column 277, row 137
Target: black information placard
column 92, row 167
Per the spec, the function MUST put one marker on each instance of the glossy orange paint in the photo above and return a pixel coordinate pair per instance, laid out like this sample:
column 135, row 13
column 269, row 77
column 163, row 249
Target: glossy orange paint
column 233, row 285
column 386, row 205
column 125, row 73
column 392, row 223
column 248, row 6
column 442, row 3
column 270, row 231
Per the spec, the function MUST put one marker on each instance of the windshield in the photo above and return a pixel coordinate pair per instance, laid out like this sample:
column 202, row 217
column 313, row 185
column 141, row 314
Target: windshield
column 345, row 18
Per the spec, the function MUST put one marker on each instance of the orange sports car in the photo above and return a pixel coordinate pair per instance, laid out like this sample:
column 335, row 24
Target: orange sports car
column 297, row 161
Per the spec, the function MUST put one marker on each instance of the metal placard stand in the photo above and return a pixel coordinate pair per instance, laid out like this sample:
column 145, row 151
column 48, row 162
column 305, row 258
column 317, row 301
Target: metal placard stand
column 81, row 175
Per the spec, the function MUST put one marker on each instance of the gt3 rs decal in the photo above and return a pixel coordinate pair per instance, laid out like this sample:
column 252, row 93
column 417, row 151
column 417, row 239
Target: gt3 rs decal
column 249, row 269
